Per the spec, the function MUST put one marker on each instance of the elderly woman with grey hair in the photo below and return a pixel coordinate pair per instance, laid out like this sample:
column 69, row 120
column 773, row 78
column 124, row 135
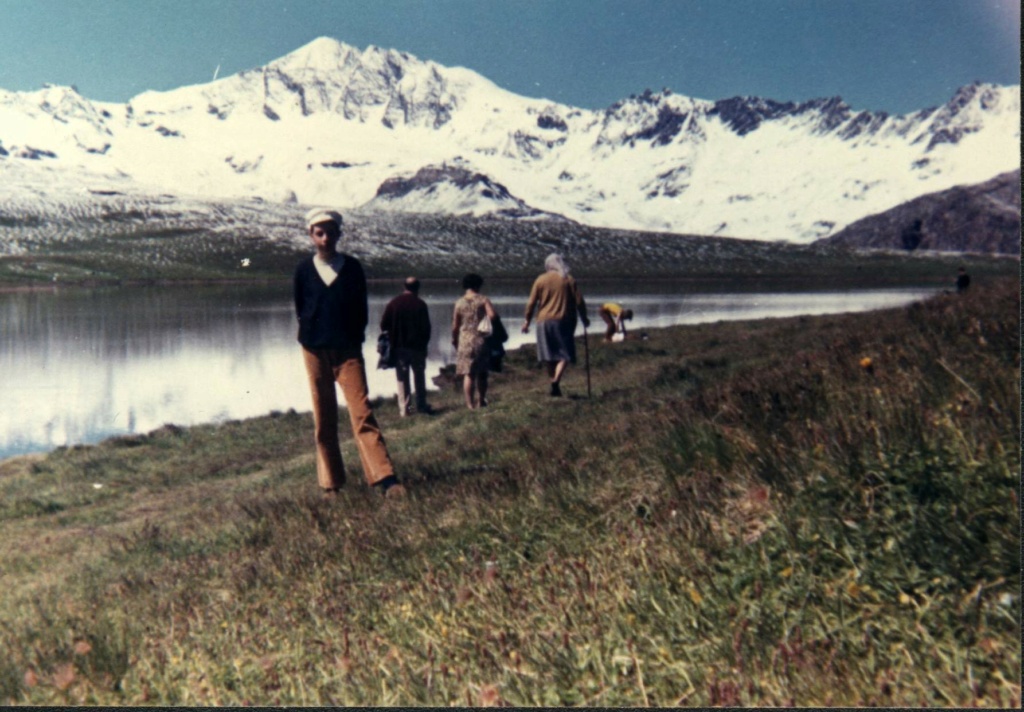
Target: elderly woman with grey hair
column 557, row 299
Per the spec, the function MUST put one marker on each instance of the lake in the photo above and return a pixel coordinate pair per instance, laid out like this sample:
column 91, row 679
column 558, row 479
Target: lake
column 79, row 365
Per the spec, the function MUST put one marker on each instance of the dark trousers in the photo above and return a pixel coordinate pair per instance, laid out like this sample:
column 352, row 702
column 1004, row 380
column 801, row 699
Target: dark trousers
column 407, row 360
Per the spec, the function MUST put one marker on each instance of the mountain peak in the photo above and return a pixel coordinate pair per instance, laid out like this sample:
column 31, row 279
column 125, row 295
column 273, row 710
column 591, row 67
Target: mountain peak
column 979, row 95
column 744, row 114
column 323, row 53
column 968, row 110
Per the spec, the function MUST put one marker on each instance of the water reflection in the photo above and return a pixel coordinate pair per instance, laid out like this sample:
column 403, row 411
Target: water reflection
column 77, row 366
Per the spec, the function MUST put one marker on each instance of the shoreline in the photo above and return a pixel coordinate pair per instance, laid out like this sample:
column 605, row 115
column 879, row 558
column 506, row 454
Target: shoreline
column 803, row 281
column 431, row 379
column 694, row 283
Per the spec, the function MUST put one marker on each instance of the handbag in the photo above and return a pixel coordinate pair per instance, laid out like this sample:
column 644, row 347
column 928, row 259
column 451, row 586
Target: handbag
column 499, row 334
column 384, row 349
column 493, row 343
column 484, row 326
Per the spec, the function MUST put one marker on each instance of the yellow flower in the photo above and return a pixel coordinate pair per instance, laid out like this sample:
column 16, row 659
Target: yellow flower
column 786, row 572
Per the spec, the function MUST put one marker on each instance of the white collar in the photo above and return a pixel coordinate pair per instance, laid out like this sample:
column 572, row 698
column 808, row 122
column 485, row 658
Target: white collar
column 328, row 270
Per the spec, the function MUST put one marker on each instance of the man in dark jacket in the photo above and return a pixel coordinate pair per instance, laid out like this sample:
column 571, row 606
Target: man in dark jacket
column 963, row 280
column 330, row 302
column 406, row 321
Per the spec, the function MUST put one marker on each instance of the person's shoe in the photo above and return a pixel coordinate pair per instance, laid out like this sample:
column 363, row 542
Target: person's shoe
column 426, row 410
column 556, row 390
column 388, row 485
column 330, row 492
column 395, row 492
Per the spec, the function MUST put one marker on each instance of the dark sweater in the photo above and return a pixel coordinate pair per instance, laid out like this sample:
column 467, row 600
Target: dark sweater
column 331, row 317
column 407, row 321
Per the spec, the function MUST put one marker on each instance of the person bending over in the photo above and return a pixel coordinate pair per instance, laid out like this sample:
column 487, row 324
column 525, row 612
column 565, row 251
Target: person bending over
column 615, row 318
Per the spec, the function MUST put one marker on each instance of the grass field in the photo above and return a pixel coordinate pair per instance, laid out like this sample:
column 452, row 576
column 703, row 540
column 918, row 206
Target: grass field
column 814, row 511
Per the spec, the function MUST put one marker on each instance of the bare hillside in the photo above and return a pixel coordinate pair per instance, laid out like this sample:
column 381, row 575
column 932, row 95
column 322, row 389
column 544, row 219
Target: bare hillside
column 981, row 218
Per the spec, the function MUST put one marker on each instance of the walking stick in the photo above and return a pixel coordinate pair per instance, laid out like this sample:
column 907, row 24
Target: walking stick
column 586, row 356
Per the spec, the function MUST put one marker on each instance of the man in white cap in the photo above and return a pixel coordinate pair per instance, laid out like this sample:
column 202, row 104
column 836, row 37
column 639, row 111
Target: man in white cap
column 330, row 302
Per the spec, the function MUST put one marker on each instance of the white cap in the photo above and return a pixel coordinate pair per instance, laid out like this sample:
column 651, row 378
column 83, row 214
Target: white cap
column 319, row 215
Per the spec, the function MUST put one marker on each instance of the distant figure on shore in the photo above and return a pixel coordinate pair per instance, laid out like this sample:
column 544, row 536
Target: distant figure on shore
column 406, row 321
column 330, row 303
column 472, row 356
column 557, row 300
column 912, row 235
column 615, row 318
column 963, row 280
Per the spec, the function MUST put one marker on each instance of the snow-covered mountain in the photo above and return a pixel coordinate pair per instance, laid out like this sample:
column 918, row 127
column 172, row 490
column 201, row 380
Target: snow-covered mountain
column 332, row 124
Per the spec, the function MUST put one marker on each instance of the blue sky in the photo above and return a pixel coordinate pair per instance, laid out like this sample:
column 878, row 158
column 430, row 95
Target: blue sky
column 884, row 55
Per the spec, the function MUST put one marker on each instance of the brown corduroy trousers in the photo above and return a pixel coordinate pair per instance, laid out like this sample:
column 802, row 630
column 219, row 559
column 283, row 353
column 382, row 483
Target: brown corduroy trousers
column 326, row 367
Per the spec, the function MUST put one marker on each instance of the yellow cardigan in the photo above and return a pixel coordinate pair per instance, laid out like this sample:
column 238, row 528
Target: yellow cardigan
column 554, row 296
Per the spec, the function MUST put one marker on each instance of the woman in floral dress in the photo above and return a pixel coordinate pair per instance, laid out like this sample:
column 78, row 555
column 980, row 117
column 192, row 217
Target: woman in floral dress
column 471, row 358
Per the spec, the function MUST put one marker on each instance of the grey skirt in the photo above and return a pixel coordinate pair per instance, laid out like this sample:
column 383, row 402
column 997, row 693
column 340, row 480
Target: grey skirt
column 555, row 340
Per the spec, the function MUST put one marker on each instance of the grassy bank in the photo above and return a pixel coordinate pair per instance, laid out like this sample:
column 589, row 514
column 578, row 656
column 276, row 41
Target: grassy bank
column 816, row 511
